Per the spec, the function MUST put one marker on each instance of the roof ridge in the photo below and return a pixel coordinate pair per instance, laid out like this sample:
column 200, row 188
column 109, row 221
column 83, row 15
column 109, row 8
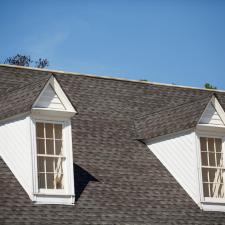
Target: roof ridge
column 13, row 89
column 111, row 78
column 177, row 106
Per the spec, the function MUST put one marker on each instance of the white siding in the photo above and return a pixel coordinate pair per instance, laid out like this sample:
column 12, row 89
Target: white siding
column 210, row 116
column 49, row 99
column 178, row 154
column 15, row 149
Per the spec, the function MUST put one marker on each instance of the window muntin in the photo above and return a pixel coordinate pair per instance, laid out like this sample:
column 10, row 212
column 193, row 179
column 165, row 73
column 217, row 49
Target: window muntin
column 212, row 167
column 50, row 155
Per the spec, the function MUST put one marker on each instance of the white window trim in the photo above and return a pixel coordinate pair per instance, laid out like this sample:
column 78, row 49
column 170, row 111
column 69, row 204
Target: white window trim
column 51, row 196
column 208, row 203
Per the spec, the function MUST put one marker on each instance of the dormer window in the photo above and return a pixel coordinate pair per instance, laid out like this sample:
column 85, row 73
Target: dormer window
column 212, row 167
column 50, row 156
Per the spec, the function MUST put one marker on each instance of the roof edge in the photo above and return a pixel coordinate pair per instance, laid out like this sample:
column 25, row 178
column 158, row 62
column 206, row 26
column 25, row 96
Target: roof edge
column 110, row 78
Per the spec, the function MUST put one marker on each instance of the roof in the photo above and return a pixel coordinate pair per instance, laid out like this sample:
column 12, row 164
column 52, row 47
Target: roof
column 117, row 179
column 171, row 120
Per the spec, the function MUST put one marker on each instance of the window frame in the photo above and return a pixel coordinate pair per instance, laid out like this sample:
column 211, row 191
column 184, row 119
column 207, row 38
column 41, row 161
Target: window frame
column 50, row 195
column 209, row 134
column 50, row 190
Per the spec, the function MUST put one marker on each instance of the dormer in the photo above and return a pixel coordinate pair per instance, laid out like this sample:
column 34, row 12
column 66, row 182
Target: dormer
column 39, row 152
column 194, row 151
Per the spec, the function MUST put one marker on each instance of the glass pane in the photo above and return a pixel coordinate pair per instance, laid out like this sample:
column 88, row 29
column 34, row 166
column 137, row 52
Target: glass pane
column 50, row 147
column 219, row 159
column 58, row 131
column 215, row 175
column 50, row 180
column 203, row 144
column 205, row 175
column 59, row 165
column 41, row 180
column 58, row 147
column 59, row 181
column 217, row 190
column 40, row 146
column 40, row 163
column 221, row 191
column 211, row 144
column 206, row 190
column 218, row 143
column 49, row 164
column 212, row 159
column 204, row 158
column 49, row 130
column 40, row 130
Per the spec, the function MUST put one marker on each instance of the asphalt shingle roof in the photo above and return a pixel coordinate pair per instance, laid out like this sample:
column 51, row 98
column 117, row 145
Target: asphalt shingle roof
column 117, row 179
column 171, row 120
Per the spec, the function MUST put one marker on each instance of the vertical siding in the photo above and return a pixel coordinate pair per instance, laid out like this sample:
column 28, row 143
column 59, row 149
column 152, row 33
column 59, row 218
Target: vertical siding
column 210, row 116
column 178, row 155
column 15, row 149
column 49, row 99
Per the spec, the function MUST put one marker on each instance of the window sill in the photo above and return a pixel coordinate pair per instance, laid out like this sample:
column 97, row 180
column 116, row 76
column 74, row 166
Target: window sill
column 214, row 200
column 53, row 198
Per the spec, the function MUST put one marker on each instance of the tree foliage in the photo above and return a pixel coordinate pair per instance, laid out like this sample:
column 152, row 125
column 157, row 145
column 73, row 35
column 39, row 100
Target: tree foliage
column 25, row 60
column 209, row 86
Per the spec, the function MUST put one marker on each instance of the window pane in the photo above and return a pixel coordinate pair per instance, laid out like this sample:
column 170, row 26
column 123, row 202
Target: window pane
column 212, row 159
column 40, row 163
column 217, row 190
column 50, row 180
column 49, row 165
column 215, row 175
column 49, row 130
column 58, row 131
column 205, row 175
column 221, row 191
column 206, row 190
column 59, row 181
column 41, row 180
column 219, row 159
column 218, row 143
column 58, row 147
column 211, row 144
column 40, row 130
column 203, row 144
column 204, row 158
column 59, row 165
column 50, row 147
column 40, row 146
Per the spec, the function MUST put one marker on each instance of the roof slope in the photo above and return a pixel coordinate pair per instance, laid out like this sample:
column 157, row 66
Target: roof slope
column 117, row 179
column 171, row 120
column 20, row 100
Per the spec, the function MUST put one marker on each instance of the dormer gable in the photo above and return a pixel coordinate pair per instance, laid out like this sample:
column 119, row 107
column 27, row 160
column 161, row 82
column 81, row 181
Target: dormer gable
column 53, row 99
column 49, row 99
column 213, row 114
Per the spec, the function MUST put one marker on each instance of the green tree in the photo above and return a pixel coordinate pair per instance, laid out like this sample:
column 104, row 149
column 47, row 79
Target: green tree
column 209, row 86
column 25, row 60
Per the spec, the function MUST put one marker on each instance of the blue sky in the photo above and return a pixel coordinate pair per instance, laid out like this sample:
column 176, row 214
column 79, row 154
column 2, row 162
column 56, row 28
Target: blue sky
column 169, row 41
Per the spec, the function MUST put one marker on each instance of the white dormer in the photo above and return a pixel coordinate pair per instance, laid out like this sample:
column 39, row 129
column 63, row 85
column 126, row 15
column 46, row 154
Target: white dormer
column 38, row 147
column 196, row 157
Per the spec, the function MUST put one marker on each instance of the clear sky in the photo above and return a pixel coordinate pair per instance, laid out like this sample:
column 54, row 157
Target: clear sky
column 169, row 41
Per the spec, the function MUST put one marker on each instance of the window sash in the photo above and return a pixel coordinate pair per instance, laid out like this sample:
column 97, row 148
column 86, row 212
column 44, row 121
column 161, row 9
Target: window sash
column 213, row 166
column 51, row 177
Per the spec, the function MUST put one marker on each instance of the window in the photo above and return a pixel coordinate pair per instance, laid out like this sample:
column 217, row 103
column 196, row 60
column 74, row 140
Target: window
column 50, row 155
column 212, row 167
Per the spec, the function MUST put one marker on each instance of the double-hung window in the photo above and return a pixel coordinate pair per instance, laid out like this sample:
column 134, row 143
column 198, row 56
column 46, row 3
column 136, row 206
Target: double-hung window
column 212, row 167
column 50, row 156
